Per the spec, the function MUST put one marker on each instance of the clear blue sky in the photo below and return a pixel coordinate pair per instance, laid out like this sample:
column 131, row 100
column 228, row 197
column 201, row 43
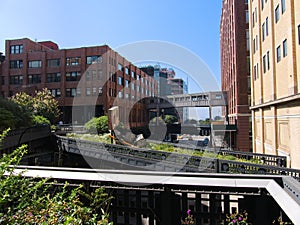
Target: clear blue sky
column 193, row 24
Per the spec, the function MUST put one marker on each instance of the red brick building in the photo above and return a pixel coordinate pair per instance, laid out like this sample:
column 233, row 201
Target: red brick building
column 86, row 80
column 235, row 69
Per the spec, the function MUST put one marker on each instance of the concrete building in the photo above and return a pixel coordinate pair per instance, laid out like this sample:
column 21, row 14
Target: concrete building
column 275, row 69
column 89, row 80
column 235, row 69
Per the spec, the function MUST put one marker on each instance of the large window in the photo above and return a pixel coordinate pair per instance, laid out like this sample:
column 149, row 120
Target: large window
column 16, row 80
column 93, row 59
column 285, row 48
column 247, row 16
column 283, row 6
column 73, row 76
column 55, row 92
column 16, row 49
column 34, row 79
column 120, row 66
column 53, row 62
column 73, row 61
column 120, row 80
column 53, row 77
column 35, row 64
column 278, row 55
column 70, row 92
column 277, row 14
column 16, row 64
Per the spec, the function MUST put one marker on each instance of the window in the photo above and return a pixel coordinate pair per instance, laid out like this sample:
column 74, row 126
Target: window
column 15, row 80
column 120, row 80
column 277, row 14
column 88, row 91
column 132, row 74
column 299, row 34
column 120, row 66
column 126, row 70
column 88, row 75
column 53, row 63
column 34, row 79
column 120, row 94
column 255, row 14
column 94, row 74
column 253, row 19
column 247, row 16
column 283, row 6
column 99, row 74
column 73, row 61
column 262, row 4
column 73, row 76
column 55, row 92
column 3, row 80
column 16, row 64
column 93, row 59
column 53, row 77
column 71, row 92
column 112, row 77
column 263, row 30
column 248, row 64
column 35, row 64
column 132, row 86
column 267, row 26
column 16, row 49
column 284, row 46
column 265, row 63
column 247, row 40
column 78, row 91
column 127, row 83
column 94, row 91
column 138, row 77
column 100, row 91
column 278, row 51
column 268, row 60
column 127, row 96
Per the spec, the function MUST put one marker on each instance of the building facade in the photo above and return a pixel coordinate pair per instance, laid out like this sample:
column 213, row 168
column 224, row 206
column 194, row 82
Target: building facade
column 235, row 71
column 87, row 80
column 275, row 69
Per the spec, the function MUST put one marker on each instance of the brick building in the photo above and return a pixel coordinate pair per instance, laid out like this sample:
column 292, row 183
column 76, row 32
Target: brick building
column 235, row 69
column 86, row 80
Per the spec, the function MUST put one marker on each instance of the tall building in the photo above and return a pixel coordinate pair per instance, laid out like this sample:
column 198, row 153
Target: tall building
column 275, row 69
column 87, row 79
column 235, row 69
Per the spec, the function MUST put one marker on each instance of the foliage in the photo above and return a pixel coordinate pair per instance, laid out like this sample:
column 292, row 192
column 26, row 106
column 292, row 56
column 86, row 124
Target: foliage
column 97, row 124
column 40, row 120
column 203, row 122
column 105, row 138
column 237, row 218
column 280, row 222
column 170, row 119
column 13, row 115
column 34, row 201
column 42, row 104
column 189, row 220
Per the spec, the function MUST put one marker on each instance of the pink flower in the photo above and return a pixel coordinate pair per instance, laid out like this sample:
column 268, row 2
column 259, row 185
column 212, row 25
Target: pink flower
column 189, row 212
column 240, row 218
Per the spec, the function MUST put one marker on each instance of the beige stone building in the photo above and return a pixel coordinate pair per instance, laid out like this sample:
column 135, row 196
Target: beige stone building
column 274, row 27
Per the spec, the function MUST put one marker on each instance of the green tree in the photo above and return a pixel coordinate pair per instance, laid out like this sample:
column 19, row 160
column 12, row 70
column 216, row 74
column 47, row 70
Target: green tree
column 97, row 125
column 170, row 119
column 40, row 120
column 41, row 104
column 13, row 115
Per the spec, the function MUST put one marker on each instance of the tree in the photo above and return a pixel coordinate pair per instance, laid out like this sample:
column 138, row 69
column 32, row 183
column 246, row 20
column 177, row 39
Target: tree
column 42, row 104
column 13, row 115
column 190, row 121
column 170, row 119
column 99, row 125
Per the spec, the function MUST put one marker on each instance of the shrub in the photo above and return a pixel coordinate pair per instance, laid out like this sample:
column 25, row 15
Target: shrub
column 40, row 120
column 97, row 125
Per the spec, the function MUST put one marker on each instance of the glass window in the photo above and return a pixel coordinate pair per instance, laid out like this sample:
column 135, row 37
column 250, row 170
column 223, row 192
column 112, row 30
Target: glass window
column 73, row 61
column 99, row 74
column 100, row 91
column 120, row 94
column 94, row 74
column 132, row 74
column 132, row 86
column 247, row 39
column 78, row 91
column 267, row 26
column 16, row 80
column 277, row 14
column 285, row 48
column 3, row 80
column 262, row 4
column 126, row 70
column 299, row 34
column 283, row 6
column 16, row 64
column 55, row 92
column 268, row 60
column 73, row 76
column 53, row 77
column 265, row 63
column 53, row 62
column 120, row 66
column 16, row 49
column 263, row 31
column 120, row 80
column 35, row 64
column 34, row 79
column 127, row 83
column 88, row 91
column 278, row 51
column 93, row 59
column 247, row 16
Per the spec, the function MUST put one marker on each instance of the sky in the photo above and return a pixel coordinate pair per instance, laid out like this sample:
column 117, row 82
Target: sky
column 191, row 24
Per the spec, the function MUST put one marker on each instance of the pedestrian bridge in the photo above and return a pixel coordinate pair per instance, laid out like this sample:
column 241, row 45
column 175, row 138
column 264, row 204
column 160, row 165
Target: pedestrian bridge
column 205, row 99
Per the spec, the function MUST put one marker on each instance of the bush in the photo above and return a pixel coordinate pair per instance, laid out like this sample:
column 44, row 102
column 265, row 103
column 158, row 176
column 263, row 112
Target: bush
column 30, row 201
column 97, row 125
column 39, row 120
